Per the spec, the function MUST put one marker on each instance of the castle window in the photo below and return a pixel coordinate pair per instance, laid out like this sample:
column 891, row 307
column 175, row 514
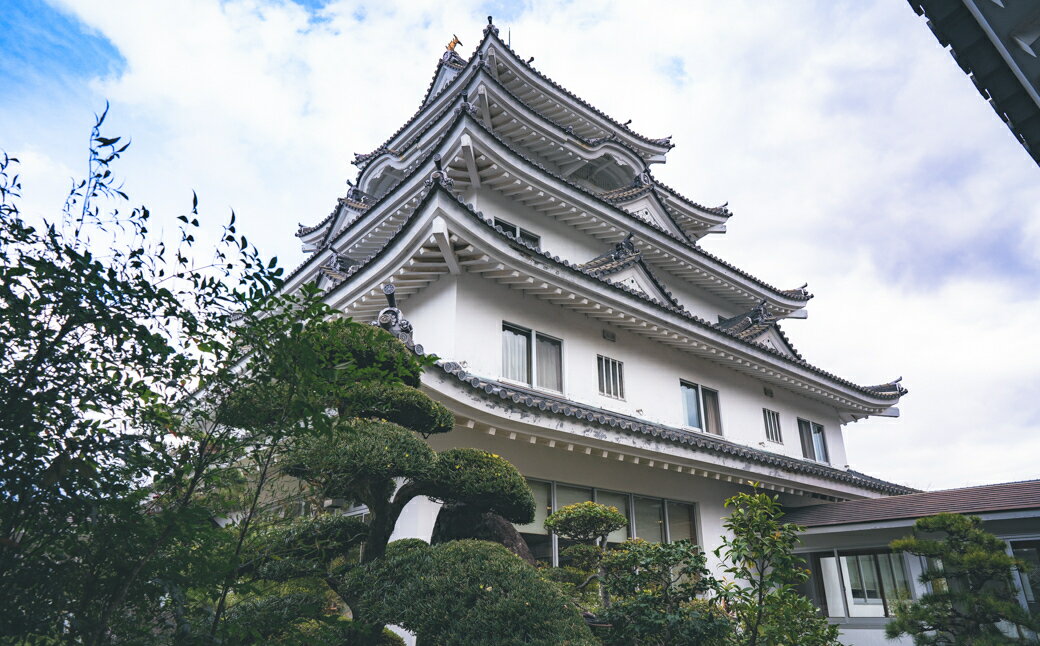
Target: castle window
column 814, row 444
column 772, row 419
column 701, row 407
column 611, row 377
column 520, row 364
column 523, row 234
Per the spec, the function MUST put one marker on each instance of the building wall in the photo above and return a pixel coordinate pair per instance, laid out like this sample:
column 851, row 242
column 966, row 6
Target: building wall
column 472, row 335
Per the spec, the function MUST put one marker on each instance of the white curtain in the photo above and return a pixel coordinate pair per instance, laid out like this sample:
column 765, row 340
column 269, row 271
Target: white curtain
column 516, row 353
column 549, row 363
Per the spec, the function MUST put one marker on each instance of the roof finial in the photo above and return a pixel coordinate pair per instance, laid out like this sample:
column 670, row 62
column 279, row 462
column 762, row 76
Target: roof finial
column 491, row 26
column 454, row 43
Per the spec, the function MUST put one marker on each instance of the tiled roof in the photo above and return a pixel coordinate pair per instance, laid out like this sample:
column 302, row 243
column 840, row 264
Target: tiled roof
column 1007, row 496
column 713, row 444
column 622, row 256
column 886, row 393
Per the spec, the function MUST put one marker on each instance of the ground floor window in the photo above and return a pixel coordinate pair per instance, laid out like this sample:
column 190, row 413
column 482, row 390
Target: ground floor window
column 651, row 519
column 860, row 583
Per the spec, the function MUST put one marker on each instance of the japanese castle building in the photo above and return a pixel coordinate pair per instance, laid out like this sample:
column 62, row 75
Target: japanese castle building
column 584, row 332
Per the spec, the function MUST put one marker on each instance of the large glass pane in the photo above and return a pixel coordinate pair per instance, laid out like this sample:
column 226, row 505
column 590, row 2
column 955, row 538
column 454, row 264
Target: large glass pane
column 680, row 522
column 1029, row 551
column 819, row 443
column 516, row 354
column 691, row 404
column 862, row 592
column 805, row 434
column 549, row 363
column 825, row 572
column 712, row 416
column 534, row 533
column 620, row 501
column 649, row 524
column 568, row 495
column 895, row 585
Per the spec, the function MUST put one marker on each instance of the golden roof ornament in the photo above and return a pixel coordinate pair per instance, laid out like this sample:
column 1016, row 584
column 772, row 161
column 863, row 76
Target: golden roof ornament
column 455, row 42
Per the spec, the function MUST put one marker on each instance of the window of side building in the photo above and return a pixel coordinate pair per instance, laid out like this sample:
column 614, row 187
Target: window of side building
column 651, row 519
column 859, row 583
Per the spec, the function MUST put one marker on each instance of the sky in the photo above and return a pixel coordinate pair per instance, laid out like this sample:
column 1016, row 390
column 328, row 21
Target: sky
column 854, row 153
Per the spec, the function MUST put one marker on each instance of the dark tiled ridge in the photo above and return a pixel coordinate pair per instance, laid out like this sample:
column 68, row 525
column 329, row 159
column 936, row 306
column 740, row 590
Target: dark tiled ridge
column 1007, row 496
column 709, row 443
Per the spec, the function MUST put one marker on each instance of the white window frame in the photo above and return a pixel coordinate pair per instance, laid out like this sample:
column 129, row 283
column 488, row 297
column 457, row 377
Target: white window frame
column 701, row 408
column 533, row 239
column 532, row 359
column 604, row 363
column 769, row 415
column 812, row 430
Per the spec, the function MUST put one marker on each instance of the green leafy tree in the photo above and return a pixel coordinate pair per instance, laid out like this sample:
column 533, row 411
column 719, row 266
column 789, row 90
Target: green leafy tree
column 759, row 556
column 105, row 329
column 661, row 595
column 587, row 524
column 973, row 600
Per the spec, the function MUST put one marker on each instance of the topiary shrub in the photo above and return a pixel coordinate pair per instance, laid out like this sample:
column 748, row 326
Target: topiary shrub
column 467, row 593
column 586, row 522
column 480, row 479
column 399, row 404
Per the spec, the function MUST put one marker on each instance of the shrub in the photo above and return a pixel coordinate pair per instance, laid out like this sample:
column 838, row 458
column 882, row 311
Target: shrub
column 468, row 593
column 586, row 522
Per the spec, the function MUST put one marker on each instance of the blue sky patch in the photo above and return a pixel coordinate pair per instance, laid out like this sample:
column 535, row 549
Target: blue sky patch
column 42, row 45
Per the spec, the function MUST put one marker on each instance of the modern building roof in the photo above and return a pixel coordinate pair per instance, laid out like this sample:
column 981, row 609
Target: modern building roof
column 1008, row 496
column 997, row 45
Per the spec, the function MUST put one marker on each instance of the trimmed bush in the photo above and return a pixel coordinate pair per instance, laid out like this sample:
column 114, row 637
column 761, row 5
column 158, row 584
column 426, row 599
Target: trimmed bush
column 586, row 522
column 399, row 404
column 467, row 593
column 481, row 479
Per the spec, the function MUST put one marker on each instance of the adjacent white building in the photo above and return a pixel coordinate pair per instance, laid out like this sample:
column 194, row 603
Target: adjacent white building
column 584, row 331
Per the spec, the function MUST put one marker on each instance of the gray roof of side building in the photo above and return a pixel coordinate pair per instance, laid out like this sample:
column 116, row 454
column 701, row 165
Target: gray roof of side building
column 1006, row 496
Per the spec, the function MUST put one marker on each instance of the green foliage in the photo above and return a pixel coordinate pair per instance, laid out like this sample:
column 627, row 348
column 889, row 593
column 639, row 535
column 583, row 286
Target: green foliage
column 970, row 574
column 359, row 460
column 760, row 558
column 587, row 522
column 396, row 403
column 655, row 591
column 482, row 480
column 468, row 593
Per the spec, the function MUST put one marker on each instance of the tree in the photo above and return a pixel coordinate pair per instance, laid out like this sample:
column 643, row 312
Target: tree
column 759, row 556
column 104, row 329
column 972, row 601
column 661, row 596
column 588, row 524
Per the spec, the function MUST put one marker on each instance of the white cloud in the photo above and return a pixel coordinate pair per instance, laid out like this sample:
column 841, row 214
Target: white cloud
column 854, row 152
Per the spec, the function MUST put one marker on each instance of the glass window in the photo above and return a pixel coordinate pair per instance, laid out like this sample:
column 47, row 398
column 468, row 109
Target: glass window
column 611, row 377
column 691, row 404
column 534, row 533
column 567, row 495
column 1029, row 551
column 518, row 365
column 516, row 353
column 649, row 523
column 549, row 362
column 680, row 522
column 619, row 500
column 859, row 584
column 814, row 442
column 712, row 415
